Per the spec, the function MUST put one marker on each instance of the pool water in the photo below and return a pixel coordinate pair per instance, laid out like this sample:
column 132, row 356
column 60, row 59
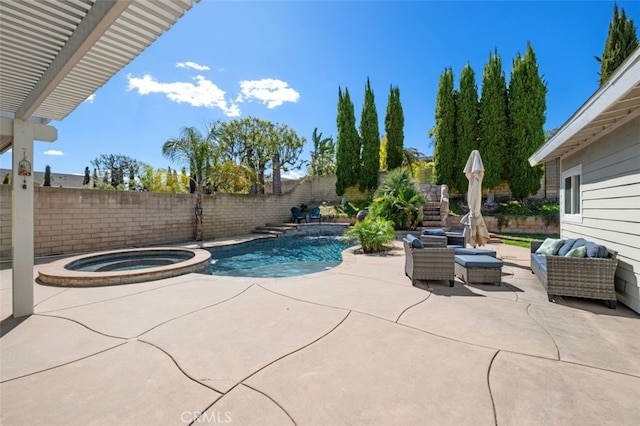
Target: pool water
column 278, row 257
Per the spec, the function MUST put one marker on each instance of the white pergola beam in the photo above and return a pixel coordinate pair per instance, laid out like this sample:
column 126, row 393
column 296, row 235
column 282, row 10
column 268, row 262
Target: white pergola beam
column 41, row 132
column 22, row 229
column 97, row 21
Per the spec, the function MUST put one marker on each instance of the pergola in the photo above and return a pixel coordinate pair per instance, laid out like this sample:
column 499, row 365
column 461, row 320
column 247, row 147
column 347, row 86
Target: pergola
column 54, row 54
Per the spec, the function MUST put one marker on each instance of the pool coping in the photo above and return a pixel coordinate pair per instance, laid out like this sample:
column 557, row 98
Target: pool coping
column 55, row 273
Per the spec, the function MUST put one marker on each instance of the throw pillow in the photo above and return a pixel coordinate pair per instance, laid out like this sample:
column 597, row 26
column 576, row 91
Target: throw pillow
column 435, row 231
column 577, row 252
column 593, row 249
column 602, row 252
column 415, row 242
column 579, row 243
column 550, row 246
column 568, row 245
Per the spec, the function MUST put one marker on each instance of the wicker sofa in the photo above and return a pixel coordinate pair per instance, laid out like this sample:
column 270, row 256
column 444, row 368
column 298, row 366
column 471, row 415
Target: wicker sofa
column 432, row 263
column 588, row 277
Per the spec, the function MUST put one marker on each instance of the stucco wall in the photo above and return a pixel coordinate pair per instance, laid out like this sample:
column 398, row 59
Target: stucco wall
column 611, row 203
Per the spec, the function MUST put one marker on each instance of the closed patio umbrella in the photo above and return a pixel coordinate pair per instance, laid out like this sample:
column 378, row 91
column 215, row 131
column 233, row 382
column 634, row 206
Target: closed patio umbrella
column 475, row 230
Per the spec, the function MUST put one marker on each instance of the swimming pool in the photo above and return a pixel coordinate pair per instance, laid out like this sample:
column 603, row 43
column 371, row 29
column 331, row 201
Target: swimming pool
column 278, row 257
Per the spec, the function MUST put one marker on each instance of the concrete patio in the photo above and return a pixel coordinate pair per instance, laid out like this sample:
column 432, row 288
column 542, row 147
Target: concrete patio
column 353, row 345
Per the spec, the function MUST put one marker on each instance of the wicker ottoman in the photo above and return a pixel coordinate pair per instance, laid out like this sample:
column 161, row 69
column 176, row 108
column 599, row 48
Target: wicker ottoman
column 478, row 269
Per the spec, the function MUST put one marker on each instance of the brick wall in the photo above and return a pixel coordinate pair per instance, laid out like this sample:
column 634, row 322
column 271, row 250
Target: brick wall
column 5, row 221
column 323, row 188
column 70, row 220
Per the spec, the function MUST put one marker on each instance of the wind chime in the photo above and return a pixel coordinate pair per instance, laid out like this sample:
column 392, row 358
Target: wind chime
column 24, row 168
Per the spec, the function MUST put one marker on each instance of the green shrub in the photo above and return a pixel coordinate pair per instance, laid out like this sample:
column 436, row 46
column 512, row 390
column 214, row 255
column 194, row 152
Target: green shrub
column 373, row 233
column 337, row 212
column 550, row 213
column 398, row 200
column 455, row 206
column 548, row 210
column 358, row 205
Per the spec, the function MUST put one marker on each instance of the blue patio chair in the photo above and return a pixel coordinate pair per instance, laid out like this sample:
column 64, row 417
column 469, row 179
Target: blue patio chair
column 298, row 217
column 314, row 214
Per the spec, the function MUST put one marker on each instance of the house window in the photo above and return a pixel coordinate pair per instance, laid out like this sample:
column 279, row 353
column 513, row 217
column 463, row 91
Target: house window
column 572, row 194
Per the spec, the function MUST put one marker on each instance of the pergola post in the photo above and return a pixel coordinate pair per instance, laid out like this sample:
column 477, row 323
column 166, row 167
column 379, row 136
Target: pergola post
column 22, row 223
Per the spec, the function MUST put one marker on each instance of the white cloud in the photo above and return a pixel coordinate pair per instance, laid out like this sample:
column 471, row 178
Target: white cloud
column 53, row 152
column 293, row 174
column 193, row 65
column 269, row 91
column 91, row 98
column 202, row 94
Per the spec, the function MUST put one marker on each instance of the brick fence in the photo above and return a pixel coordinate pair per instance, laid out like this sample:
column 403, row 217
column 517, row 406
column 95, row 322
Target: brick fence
column 68, row 220
column 515, row 224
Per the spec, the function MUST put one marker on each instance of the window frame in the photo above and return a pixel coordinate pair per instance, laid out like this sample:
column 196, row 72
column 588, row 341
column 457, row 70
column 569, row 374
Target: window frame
column 575, row 174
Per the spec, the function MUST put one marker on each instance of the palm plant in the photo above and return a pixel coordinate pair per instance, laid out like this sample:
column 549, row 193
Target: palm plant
column 373, row 233
column 398, row 200
column 412, row 155
column 195, row 149
column 323, row 155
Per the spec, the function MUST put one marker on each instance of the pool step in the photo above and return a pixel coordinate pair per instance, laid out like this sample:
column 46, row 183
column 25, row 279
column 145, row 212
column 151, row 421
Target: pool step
column 286, row 225
column 261, row 230
column 275, row 229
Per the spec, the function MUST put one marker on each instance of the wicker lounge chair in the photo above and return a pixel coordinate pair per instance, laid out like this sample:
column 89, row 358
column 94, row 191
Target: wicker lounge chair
column 429, row 264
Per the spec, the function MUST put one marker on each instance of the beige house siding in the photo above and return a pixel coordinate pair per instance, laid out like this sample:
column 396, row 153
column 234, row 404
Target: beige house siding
column 611, row 203
column 550, row 180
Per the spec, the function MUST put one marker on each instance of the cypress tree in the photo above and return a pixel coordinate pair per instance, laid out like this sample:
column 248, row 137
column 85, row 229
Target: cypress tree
column 394, row 127
column 370, row 134
column 340, row 148
column 47, row 175
column 527, row 105
column 621, row 40
column 445, row 131
column 348, row 144
column 355, row 143
column 467, row 126
column 494, row 123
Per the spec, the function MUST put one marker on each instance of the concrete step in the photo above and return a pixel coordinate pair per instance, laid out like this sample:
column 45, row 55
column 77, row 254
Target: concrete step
column 432, row 224
column 286, row 225
column 493, row 238
column 269, row 231
column 274, row 228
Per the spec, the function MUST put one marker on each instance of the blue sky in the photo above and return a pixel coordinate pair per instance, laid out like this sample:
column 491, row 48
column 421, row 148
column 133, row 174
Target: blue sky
column 283, row 61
